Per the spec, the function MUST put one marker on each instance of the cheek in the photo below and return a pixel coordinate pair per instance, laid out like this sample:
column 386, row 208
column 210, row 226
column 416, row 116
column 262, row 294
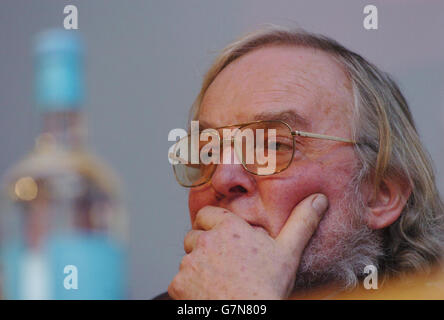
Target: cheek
column 296, row 185
column 199, row 198
column 291, row 190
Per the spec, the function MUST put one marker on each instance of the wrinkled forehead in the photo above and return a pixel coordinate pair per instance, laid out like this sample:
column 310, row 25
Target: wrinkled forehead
column 302, row 86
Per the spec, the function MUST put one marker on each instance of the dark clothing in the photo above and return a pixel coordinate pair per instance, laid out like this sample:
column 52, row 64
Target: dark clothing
column 163, row 296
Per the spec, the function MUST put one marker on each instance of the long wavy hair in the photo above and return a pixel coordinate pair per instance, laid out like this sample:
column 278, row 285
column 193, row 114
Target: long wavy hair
column 388, row 145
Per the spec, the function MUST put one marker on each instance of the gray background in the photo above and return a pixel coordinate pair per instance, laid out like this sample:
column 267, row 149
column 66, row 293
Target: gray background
column 145, row 63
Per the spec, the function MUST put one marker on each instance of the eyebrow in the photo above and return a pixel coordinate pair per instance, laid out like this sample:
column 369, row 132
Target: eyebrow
column 296, row 121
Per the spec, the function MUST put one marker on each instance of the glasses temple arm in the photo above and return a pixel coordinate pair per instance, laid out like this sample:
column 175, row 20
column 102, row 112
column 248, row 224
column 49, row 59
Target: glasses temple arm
column 321, row 136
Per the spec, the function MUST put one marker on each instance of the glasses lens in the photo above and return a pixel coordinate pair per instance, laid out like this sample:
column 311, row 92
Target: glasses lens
column 265, row 148
column 188, row 168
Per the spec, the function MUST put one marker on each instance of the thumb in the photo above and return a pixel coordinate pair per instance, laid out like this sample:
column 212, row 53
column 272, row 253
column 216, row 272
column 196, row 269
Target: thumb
column 302, row 223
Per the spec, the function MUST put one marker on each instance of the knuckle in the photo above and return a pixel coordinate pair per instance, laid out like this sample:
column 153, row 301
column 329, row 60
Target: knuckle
column 204, row 210
column 202, row 215
column 202, row 240
column 187, row 242
column 186, row 262
column 199, row 216
column 175, row 289
column 189, row 235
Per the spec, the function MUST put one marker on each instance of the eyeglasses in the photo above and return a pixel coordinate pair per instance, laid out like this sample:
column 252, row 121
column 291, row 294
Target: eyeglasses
column 190, row 172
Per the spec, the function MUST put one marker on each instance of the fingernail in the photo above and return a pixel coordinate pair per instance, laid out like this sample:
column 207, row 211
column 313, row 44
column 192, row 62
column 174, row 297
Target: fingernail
column 320, row 203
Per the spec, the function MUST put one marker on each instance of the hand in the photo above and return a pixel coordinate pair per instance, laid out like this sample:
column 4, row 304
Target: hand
column 227, row 258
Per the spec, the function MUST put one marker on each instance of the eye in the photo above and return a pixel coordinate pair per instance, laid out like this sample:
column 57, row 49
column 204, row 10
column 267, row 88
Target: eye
column 281, row 145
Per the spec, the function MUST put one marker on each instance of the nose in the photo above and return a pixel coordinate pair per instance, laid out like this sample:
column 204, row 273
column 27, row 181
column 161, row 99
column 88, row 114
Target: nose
column 230, row 179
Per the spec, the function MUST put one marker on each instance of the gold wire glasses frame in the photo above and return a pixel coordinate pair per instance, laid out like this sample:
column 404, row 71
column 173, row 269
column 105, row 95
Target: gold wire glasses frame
column 240, row 126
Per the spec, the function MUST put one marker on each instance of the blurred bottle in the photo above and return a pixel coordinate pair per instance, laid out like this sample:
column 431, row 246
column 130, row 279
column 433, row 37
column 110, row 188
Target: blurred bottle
column 62, row 225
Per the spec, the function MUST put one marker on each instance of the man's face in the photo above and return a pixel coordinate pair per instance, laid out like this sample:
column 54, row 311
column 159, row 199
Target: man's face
column 311, row 92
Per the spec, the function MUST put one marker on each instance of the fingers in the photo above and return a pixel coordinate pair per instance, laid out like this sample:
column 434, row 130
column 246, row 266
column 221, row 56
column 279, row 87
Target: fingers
column 191, row 240
column 302, row 223
column 208, row 217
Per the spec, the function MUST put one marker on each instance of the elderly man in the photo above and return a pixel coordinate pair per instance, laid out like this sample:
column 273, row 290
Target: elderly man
column 352, row 187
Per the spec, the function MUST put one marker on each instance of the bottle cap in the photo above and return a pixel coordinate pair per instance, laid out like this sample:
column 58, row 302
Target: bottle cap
column 59, row 70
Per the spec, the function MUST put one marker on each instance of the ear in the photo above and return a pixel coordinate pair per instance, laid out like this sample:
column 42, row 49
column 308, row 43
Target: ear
column 386, row 206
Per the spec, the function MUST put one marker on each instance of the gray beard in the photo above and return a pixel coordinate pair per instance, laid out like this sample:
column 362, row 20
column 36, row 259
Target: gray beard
column 341, row 263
